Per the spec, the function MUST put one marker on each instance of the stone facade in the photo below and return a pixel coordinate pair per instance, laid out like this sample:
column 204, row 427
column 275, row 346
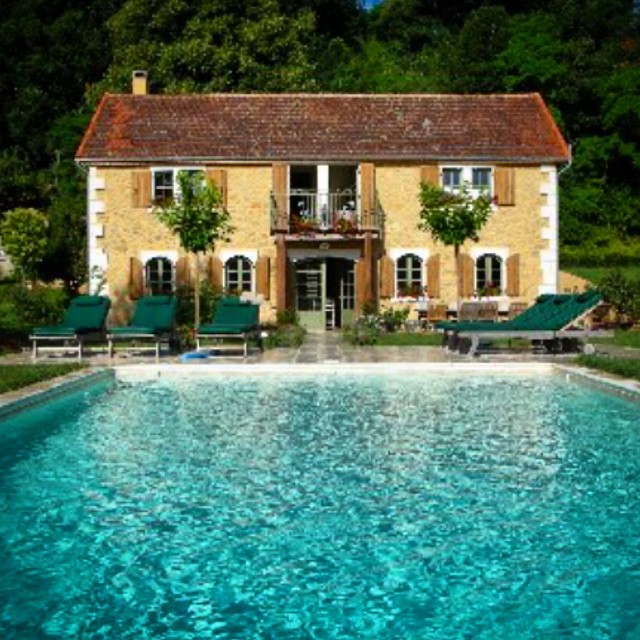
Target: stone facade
column 120, row 231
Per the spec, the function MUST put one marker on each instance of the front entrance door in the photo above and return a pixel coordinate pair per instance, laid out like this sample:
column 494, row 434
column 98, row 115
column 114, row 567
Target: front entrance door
column 310, row 293
column 325, row 292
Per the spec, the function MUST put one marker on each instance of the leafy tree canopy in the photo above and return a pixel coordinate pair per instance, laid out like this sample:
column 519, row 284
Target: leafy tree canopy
column 23, row 233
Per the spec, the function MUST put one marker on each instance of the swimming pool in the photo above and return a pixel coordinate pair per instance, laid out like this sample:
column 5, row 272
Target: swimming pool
column 409, row 507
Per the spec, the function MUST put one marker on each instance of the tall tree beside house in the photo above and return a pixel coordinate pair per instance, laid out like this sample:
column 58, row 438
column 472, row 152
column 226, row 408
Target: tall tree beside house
column 198, row 218
column 24, row 234
column 452, row 218
column 212, row 46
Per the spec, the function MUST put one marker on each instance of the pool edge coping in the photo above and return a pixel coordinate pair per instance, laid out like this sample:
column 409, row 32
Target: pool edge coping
column 29, row 397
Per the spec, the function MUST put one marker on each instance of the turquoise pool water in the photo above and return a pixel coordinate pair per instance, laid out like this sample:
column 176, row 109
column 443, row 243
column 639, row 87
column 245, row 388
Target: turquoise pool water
column 411, row 507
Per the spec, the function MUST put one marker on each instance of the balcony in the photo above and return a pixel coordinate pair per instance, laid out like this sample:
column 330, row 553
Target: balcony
column 305, row 212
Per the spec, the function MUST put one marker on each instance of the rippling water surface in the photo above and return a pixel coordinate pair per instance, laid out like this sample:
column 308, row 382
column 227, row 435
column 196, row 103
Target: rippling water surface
column 413, row 507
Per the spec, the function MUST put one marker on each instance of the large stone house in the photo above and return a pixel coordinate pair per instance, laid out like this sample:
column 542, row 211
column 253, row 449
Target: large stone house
column 323, row 196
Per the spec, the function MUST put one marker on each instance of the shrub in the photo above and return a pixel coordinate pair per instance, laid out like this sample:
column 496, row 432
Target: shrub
column 393, row 319
column 209, row 297
column 284, row 335
column 365, row 331
column 22, row 309
column 287, row 317
column 622, row 292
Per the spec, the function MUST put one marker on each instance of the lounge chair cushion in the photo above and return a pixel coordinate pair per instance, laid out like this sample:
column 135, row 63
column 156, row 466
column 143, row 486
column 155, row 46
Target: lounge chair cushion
column 153, row 315
column 85, row 314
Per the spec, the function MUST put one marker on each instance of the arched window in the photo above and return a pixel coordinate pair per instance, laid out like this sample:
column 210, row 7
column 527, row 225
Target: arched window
column 159, row 276
column 238, row 274
column 489, row 274
column 409, row 271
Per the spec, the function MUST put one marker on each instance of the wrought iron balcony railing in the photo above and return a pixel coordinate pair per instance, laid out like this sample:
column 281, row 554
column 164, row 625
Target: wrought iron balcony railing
column 304, row 211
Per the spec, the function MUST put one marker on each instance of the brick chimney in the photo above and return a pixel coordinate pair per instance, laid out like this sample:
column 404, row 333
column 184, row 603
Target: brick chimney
column 139, row 83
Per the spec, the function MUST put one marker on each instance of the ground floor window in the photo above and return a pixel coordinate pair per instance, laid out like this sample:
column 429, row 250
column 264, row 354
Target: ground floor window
column 489, row 275
column 159, row 276
column 409, row 275
column 238, row 272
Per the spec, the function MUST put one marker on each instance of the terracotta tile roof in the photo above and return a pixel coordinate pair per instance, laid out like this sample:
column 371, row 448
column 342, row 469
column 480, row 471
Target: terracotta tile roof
column 329, row 127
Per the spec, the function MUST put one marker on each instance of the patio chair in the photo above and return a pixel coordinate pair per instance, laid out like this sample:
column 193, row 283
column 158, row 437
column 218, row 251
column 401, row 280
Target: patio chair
column 83, row 321
column 553, row 320
column 233, row 320
column 153, row 321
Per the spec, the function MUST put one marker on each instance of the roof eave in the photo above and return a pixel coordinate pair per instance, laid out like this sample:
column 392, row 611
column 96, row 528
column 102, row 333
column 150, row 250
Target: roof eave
column 178, row 160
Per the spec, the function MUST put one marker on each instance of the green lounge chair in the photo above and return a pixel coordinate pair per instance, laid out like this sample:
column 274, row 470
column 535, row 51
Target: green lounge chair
column 83, row 321
column 153, row 321
column 553, row 320
column 233, row 320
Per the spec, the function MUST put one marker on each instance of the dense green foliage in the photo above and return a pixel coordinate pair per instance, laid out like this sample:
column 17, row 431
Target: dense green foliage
column 22, row 309
column 583, row 56
column 452, row 218
column 23, row 233
column 17, row 376
column 626, row 368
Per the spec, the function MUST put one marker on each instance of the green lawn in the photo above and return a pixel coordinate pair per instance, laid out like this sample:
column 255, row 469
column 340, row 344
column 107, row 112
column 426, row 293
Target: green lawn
column 16, row 376
column 409, row 340
column 628, row 338
column 595, row 274
column 618, row 366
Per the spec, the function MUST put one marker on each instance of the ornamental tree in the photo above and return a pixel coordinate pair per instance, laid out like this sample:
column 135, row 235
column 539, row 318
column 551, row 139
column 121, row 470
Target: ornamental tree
column 24, row 235
column 198, row 218
column 452, row 218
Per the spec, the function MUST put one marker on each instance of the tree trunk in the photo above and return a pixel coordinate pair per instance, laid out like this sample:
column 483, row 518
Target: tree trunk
column 196, row 292
column 456, row 254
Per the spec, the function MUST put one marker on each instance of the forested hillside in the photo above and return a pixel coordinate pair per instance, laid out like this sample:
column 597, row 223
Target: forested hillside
column 583, row 56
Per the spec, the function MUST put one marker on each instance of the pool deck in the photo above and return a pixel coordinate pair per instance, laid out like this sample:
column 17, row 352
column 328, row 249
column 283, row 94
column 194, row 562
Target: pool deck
column 324, row 352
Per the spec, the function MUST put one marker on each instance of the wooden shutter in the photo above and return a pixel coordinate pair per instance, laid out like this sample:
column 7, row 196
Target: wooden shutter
column 280, row 187
column 141, row 188
column 136, row 279
column 362, row 286
column 290, row 280
column 183, row 273
column 505, row 184
column 387, row 277
column 513, row 275
column 263, row 277
column 219, row 178
column 214, row 269
column 433, row 276
column 465, row 275
column 367, row 192
column 430, row 174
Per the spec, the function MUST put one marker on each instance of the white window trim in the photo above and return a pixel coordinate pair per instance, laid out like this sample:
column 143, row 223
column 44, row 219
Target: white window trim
column 395, row 255
column 503, row 254
column 175, row 170
column 249, row 254
column 145, row 256
column 466, row 177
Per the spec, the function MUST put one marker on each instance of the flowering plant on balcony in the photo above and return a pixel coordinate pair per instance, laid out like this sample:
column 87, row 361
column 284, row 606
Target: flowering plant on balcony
column 345, row 225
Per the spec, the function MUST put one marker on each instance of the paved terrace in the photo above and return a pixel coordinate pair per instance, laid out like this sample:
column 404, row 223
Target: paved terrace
column 318, row 348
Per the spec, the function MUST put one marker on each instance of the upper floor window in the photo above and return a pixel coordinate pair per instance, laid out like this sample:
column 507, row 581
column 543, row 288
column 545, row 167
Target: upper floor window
column 477, row 179
column 159, row 276
column 165, row 184
column 489, row 274
column 451, row 179
column 481, row 179
column 409, row 275
column 238, row 274
column 162, row 186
